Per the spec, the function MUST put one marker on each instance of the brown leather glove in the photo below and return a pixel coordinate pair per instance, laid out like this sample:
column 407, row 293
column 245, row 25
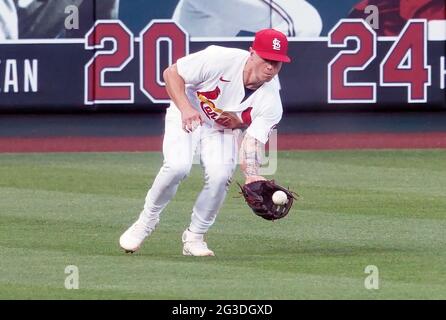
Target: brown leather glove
column 258, row 195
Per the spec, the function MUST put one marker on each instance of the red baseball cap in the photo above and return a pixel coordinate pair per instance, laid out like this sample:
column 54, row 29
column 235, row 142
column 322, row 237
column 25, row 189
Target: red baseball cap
column 271, row 44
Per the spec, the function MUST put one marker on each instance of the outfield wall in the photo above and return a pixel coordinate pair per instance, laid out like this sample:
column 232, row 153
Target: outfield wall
column 82, row 55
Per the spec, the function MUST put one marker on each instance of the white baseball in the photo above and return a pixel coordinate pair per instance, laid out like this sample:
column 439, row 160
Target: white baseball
column 195, row 125
column 280, row 198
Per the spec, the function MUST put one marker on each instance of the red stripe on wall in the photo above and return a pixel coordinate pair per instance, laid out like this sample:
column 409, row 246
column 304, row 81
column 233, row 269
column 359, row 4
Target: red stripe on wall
column 81, row 144
column 285, row 142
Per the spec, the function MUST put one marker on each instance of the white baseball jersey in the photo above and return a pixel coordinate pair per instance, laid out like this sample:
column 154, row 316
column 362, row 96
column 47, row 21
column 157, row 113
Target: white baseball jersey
column 214, row 83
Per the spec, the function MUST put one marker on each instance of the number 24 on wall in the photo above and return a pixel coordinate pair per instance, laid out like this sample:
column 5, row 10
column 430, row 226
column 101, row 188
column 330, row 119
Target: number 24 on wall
column 404, row 65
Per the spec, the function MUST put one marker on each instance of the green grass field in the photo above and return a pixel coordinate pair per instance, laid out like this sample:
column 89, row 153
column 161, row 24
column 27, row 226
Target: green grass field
column 357, row 208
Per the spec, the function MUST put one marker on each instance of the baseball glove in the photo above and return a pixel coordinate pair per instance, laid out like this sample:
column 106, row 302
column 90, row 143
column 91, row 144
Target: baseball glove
column 258, row 195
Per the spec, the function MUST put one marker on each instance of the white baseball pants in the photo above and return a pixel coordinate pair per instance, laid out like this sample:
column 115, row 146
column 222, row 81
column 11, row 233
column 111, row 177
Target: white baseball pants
column 218, row 157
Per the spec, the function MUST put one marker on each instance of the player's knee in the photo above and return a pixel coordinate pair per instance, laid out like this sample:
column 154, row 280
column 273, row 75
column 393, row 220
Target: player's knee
column 178, row 171
column 220, row 178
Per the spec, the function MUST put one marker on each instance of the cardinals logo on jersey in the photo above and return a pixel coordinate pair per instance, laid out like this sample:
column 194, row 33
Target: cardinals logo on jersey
column 207, row 105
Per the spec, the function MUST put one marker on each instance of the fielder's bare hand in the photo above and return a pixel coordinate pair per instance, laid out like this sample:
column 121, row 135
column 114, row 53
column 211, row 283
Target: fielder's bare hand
column 191, row 119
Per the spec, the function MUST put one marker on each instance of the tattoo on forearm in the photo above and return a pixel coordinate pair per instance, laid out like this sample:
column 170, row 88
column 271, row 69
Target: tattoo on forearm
column 250, row 153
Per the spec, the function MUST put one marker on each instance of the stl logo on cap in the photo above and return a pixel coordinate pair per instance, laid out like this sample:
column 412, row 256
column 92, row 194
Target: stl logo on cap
column 276, row 44
column 271, row 44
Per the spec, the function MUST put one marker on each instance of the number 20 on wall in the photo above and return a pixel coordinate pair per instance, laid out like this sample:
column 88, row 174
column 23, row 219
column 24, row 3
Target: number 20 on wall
column 405, row 64
column 112, row 59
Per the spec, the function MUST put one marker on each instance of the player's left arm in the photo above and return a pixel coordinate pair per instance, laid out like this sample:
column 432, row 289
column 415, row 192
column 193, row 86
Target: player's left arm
column 250, row 158
column 261, row 120
column 253, row 146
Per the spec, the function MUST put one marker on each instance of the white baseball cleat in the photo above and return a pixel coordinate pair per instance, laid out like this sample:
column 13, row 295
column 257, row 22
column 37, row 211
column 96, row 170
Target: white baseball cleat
column 194, row 245
column 132, row 239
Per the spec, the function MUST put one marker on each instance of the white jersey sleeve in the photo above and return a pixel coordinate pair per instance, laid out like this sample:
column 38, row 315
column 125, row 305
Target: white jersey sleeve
column 197, row 67
column 265, row 117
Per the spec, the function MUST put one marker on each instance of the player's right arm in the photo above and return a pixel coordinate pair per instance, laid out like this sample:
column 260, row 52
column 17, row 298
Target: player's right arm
column 175, row 87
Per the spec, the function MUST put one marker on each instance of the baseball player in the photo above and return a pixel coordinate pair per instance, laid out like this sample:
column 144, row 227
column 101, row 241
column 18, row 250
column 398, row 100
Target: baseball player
column 215, row 92
column 8, row 20
column 226, row 18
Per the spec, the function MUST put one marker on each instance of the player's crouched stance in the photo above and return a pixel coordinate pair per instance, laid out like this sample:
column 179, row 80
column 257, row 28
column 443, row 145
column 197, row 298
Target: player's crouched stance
column 213, row 90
